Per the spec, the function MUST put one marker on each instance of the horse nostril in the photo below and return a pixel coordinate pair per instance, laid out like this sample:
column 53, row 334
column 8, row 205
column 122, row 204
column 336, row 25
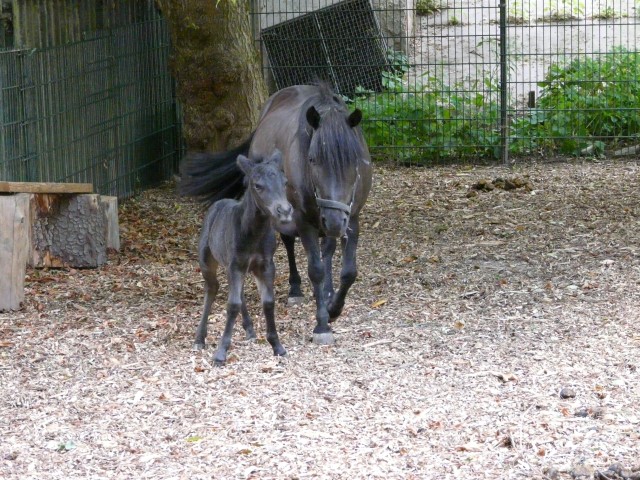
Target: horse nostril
column 324, row 222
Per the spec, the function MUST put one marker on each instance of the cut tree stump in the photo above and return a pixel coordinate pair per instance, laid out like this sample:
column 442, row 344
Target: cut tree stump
column 71, row 230
column 65, row 228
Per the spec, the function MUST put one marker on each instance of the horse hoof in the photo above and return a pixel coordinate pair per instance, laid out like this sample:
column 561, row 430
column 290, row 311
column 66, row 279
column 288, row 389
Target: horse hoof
column 292, row 301
column 323, row 338
column 199, row 346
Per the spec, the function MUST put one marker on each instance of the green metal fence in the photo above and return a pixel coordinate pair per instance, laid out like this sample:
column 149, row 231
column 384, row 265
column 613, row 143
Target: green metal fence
column 101, row 110
column 466, row 80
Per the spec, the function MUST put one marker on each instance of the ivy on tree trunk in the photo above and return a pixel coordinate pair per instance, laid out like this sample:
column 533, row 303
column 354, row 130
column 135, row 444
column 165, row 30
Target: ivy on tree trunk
column 217, row 70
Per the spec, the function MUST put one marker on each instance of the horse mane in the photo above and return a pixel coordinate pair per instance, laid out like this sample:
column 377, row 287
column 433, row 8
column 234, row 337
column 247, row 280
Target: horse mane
column 336, row 143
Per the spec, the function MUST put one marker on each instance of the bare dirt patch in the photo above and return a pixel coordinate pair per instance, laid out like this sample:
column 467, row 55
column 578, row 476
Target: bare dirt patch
column 490, row 335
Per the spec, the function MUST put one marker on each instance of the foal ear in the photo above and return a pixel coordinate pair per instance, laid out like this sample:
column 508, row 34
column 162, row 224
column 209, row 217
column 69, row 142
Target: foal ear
column 245, row 164
column 313, row 117
column 276, row 158
column 355, row 118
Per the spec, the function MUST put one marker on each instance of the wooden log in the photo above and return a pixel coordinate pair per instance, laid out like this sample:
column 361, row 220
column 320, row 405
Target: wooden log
column 14, row 234
column 67, row 230
column 39, row 187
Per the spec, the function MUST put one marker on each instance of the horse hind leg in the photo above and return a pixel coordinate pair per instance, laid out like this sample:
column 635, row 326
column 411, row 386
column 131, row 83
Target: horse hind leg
column 265, row 286
column 209, row 268
column 295, row 281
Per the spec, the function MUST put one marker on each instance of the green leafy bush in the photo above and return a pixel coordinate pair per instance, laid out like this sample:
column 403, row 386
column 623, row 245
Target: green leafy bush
column 427, row 120
column 583, row 102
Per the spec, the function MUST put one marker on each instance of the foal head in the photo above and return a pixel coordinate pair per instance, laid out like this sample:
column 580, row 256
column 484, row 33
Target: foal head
column 266, row 183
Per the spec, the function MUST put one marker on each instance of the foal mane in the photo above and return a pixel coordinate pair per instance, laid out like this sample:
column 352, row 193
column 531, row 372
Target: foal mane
column 338, row 145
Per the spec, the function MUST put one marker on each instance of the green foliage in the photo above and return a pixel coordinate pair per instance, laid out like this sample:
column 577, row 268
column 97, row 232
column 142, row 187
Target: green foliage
column 427, row 7
column 518, row 12
column 582, row 103
column 563, row 10
column 453, row 22
column 586, row 100
column 606, row 13
column 429, row 120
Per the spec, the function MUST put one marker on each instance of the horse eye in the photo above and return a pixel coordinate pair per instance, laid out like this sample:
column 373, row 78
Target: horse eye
column 259, row 187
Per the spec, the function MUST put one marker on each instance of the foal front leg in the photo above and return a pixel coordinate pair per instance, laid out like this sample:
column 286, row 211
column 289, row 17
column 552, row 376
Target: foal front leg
column 234, row 305
column 265, row 280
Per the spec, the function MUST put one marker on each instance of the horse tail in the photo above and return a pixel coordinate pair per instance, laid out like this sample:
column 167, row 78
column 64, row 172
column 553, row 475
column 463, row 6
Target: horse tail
column 213, row 176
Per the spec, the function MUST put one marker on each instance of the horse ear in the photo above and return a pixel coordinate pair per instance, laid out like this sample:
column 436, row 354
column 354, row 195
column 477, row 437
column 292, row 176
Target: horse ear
column 313, row 117
column 245, row 164
column 355, row 118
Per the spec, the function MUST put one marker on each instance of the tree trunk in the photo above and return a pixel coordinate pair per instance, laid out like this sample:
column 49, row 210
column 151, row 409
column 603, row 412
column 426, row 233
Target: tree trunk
column 218, row 73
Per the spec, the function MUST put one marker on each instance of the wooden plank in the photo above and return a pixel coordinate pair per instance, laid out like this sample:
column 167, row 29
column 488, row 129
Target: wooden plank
column 110, row 205
column 14, row 248
column 39, row 187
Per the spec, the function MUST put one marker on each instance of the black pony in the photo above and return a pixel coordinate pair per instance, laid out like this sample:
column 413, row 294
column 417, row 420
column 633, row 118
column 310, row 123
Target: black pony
column 328, row 168
column 240, row 237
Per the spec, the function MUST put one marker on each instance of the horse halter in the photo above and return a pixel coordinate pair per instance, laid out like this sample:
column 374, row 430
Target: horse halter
column 333, row 204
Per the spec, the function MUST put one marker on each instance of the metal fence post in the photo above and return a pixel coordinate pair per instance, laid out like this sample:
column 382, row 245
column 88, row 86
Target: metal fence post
column 504, row 80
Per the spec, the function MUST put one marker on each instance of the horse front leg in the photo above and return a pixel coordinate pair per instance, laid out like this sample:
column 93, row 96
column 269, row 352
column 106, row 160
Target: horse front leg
column 265, row 280
column 349, row 270
column 295, row 282
column 328, row 247
column 234, row 305
column 322, row 334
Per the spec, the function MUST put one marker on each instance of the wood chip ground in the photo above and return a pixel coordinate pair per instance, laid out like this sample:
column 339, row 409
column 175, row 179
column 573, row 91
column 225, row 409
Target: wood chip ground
column 472, row 312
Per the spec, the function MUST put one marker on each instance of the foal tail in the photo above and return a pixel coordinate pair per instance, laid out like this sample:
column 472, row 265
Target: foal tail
column 213, row 176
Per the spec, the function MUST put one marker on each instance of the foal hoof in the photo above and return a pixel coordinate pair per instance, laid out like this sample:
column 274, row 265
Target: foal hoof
column 323, row 338
column 199, row 346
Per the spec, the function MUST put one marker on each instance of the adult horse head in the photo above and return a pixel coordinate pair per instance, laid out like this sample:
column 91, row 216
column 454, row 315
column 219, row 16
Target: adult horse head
column 328, row 167
column 334, row 156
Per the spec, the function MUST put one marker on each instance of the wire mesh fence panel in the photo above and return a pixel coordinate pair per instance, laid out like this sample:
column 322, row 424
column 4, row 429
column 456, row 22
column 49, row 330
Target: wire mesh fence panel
column 461, row 80
column 574, row 82
column 101, row 110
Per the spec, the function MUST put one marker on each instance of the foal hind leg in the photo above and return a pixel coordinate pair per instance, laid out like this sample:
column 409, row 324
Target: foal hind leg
column 208, row 266
column 295, row 282
column 265, row 279
column 247, row 322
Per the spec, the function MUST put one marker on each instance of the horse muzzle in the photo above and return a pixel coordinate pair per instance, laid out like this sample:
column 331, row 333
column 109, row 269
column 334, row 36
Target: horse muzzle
column 284, row 213
column 334, row 217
